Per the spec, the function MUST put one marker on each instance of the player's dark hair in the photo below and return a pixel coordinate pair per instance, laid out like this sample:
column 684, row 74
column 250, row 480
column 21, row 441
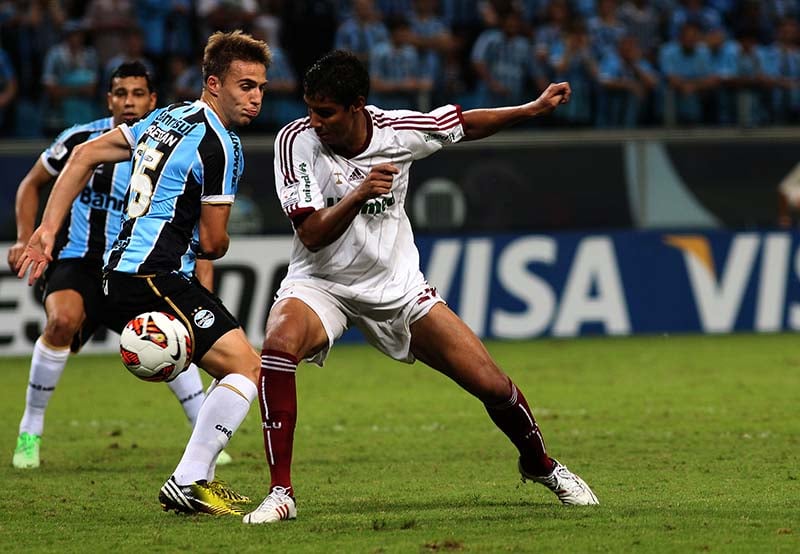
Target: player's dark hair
column 222, row 49
column 339, row 76
column 131, row 69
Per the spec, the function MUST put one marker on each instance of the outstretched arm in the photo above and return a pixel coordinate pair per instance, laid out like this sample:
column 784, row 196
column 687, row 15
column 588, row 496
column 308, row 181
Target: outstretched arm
column 109, row 147
column 484, row 122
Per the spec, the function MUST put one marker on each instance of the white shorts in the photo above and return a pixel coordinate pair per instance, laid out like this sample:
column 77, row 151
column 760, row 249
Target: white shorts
column 385, row 326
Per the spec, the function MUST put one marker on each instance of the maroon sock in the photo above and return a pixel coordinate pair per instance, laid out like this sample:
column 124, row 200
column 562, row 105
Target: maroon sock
column 277, row 397
column 515, row 419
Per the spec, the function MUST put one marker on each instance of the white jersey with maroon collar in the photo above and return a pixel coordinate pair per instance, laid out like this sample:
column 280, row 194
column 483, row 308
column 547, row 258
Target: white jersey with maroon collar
column 375, row 260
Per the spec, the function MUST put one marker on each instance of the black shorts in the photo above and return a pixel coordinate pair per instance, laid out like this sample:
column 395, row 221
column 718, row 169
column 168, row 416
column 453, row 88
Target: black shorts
column 84, row 277
column 199, row 309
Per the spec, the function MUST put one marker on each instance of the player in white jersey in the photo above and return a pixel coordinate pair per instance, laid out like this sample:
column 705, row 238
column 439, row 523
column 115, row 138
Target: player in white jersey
column 342, row 178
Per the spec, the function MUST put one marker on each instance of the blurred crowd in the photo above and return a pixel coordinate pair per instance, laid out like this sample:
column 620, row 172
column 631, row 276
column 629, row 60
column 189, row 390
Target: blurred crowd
column 631, row 63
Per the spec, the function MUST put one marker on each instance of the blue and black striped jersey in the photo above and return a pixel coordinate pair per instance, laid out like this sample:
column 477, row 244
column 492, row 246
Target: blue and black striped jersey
column 95, row 216
column 183, row 156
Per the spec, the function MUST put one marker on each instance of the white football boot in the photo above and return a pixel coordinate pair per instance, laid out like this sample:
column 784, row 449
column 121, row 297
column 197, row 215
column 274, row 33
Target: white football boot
column 568, row 487
column 278, row 505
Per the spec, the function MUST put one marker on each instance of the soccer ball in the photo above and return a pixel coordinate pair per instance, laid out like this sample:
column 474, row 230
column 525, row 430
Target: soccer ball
column 155, row 346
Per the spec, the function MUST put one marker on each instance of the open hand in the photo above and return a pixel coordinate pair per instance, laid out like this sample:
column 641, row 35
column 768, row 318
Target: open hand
column 14, row 254
column 36, row 255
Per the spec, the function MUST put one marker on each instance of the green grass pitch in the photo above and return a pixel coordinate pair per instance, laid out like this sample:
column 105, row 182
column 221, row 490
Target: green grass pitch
column 692, row 444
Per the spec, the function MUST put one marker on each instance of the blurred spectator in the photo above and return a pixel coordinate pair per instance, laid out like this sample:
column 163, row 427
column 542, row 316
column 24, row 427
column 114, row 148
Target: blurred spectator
column 690, row 80
column 397, row 78
column 70, row 80
column 363, row 31
column 28, row 31
column 724, row 8
column 318, row 21
column 225, row 15
column 533, row 11
column 462, row 16
column 464, row 20
column 109, row 21
column 131, row 51
column 493, row 12
column 781, row 62
column 573, row 61
column 186, row 82
column 696, row 12
column 552, row 32
column 391, row 8
column 281, row 100
column 751, row 15
column 434, row 43
column 626, row 85
column 504, row 63
column 751, row 81
column 779, row 9
column 167, row 28
column 642, row 20
column 723, row 54
column 267, row 24
column 8, row 88
column 605, row 29
column 585, row 9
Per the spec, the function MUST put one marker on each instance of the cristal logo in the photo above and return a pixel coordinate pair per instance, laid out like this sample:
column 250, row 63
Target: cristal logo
column 224, row 430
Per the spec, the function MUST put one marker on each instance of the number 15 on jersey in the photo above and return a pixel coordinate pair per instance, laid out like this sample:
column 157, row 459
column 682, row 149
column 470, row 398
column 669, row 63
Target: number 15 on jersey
column 145, row 163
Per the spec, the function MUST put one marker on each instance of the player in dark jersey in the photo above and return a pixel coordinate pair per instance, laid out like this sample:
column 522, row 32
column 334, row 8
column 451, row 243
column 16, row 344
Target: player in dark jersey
column 73, row 295
column 186, row 166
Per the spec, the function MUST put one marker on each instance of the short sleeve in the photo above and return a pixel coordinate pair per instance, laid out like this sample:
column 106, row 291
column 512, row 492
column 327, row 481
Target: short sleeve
column 55, row 157
column 221, row 162
column 297, row 186
column 133, row 132
column 425, row 133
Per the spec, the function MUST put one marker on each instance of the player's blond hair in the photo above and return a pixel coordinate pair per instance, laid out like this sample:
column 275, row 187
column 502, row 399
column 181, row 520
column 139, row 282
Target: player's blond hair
column 222, row 49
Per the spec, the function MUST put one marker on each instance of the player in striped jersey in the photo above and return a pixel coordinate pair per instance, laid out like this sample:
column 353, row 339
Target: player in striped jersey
column 73, row 296
column 342, row 177
column 186, row 165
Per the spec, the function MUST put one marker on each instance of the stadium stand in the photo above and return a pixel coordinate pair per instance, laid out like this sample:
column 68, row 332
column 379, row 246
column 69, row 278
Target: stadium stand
column 630, row 61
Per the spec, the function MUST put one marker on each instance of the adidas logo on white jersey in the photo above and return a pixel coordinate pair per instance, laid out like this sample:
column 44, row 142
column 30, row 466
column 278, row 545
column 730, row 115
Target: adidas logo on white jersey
column 356, row 175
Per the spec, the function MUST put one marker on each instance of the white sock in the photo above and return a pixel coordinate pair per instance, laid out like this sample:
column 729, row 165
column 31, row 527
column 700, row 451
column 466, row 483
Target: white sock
column 188, row 389
column 47, row 365
column 211, row 386
column 219, row 417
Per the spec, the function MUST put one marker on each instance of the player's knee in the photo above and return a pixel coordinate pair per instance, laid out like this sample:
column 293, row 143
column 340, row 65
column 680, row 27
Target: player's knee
column 496, row 387
column 251, row 366
column 283, row 340
column 60, row 328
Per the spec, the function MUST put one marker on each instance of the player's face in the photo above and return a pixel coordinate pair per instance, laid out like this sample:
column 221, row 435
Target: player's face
column 335, row 124
column 130, row 99
column 241, row 92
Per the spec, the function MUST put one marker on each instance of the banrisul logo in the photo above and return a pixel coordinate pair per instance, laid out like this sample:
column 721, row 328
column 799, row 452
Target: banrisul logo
column 100, row 200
